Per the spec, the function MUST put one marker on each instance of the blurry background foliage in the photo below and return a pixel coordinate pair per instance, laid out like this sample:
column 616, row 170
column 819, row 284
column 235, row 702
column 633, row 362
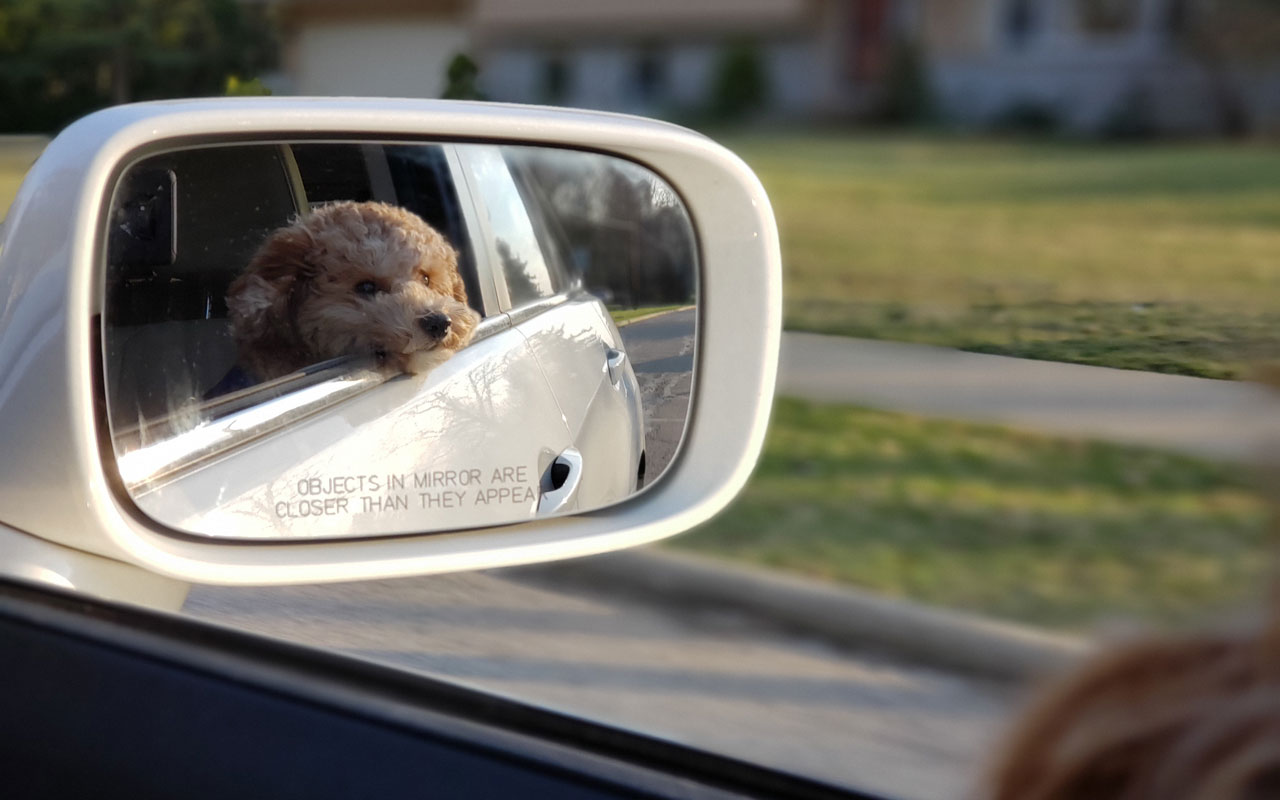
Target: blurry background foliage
column 1224, row 36
column 907, row 97
column 240, row 88
column 61, row 59
column 740, row 85
column 461, row 79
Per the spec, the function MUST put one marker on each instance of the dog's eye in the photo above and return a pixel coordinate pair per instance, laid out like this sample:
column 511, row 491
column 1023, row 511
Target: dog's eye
column 426, row 279
column 367, row 288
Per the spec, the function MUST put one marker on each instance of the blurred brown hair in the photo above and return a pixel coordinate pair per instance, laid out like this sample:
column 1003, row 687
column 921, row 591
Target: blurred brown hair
column 1189, row 718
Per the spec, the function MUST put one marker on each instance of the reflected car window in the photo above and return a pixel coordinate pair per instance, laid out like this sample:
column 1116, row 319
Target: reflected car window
column 615, row 226
column 523, row 265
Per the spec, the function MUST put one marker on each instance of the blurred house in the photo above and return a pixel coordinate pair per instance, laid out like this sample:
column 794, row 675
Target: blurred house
column 1082, row 65
column 1090, row 65
column 386, row 48
column 653, row 57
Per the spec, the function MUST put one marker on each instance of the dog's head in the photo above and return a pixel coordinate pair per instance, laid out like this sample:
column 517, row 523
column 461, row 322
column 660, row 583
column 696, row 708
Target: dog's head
column 348, row 279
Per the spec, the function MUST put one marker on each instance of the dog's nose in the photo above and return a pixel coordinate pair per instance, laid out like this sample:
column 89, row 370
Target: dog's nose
column 435, row 324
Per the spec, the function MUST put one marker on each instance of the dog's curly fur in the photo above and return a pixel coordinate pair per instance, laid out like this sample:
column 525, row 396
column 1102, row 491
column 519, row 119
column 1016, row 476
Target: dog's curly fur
column 347, row 279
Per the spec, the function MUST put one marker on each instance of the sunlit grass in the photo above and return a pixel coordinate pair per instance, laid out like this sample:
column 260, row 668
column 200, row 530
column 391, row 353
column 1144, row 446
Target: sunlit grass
column 1157, row 257
column 624, row 315
column 1038, row 529
column 17, row 154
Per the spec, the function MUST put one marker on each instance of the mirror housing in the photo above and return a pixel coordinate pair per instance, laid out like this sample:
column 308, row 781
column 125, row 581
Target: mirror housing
column 53, row 431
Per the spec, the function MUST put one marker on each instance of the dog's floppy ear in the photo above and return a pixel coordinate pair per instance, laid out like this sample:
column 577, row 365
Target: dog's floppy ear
column 440, row 251
column 262, row 300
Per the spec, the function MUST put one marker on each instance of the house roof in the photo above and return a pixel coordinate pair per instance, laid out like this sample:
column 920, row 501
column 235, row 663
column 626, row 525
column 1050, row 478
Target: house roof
column 295, row 12
column 562, row 19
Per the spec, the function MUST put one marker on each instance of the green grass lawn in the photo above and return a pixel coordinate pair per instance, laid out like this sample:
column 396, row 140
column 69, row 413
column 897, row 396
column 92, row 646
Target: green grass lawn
column 1163, row 257
column 1060, row 533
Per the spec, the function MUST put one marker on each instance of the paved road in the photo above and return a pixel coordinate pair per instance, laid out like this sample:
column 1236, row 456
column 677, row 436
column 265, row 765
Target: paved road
column 711, row 681
column 1220, row 419
column 661, row 353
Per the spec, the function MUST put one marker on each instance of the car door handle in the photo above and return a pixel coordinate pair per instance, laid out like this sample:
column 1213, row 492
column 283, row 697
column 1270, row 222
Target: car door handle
column 560, row 482
column 616, row 359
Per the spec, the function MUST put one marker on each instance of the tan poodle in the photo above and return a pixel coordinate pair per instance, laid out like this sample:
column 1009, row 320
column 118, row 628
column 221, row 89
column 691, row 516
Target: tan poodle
column 349, row 279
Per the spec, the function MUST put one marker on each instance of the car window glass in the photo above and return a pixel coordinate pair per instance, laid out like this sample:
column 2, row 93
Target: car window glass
column 537, row 201
column 333, row 171
column 617, row 228
column 424, row 185
column 180, row 236
column 521, row 262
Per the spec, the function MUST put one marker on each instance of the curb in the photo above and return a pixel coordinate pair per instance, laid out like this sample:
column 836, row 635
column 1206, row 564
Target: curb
column 840, row 615
column 633, row 320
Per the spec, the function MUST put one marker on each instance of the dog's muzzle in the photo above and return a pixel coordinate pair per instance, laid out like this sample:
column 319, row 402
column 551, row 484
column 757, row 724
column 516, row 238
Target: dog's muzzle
column 435, row 324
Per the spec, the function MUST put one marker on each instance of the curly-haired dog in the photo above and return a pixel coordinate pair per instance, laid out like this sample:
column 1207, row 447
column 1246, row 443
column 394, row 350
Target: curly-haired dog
column 347, row 279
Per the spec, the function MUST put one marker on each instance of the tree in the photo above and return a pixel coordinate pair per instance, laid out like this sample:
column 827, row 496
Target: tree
column 908, row 98
column 1228, row 37
column 60, row 59
column 461, row 77
column 740, row 87
column 241, row 88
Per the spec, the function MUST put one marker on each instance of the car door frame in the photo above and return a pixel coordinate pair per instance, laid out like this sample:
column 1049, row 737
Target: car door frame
column 599, row 487
column 88, row 679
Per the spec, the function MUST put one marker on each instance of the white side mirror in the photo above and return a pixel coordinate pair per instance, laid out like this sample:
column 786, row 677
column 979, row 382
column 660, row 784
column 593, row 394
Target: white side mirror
column 259, row 341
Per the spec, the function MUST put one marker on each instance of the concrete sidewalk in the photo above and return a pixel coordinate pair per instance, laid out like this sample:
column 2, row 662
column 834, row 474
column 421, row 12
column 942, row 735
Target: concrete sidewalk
column 1213, row 418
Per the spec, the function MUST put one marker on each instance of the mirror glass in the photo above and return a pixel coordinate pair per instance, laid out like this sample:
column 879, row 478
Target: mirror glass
column 322, row 339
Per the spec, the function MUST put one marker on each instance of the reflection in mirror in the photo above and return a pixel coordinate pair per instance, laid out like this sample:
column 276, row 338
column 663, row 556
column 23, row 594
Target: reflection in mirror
column 316, row 339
